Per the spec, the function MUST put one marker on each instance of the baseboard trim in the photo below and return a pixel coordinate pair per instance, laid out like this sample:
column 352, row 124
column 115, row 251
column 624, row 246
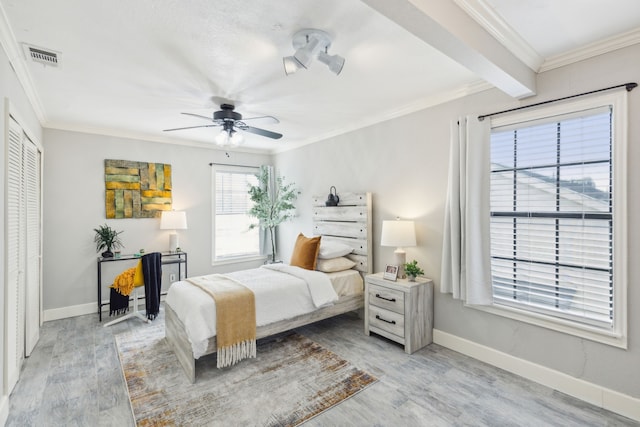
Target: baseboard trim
column 4, row 410
column 70, row 311
column 611, row 400
column 81, row 310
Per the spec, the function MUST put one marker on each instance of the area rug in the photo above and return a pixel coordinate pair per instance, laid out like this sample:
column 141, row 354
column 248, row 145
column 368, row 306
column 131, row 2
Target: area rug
column 292, row 380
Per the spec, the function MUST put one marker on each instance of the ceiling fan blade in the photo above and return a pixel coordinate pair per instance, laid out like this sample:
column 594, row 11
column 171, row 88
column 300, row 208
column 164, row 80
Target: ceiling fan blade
column 191, row 127
column 266, row 119
column 262, row 132
column 197, row 115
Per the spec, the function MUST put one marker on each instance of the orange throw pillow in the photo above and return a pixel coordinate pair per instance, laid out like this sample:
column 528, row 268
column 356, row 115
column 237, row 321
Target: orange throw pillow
column 305, row 252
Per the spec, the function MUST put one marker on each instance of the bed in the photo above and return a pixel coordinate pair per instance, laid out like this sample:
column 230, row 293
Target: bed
column 346, row 224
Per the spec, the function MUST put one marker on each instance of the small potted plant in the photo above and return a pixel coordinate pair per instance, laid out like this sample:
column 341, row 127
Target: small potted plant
column 107, row 238
column 412, row 270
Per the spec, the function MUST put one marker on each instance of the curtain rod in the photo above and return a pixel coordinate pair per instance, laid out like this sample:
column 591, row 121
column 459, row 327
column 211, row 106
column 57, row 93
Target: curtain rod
column 231, row 164
column 628, row 86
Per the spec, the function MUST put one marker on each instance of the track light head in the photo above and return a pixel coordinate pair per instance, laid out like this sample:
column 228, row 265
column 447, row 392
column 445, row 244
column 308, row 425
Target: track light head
column 334, row 62
column 291, row 65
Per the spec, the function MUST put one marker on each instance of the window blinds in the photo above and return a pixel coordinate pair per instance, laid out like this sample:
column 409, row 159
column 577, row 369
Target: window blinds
column 551, row 216
column 232, row 234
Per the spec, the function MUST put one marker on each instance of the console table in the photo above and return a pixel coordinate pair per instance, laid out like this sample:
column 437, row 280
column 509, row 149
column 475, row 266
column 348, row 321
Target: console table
column 179, row 258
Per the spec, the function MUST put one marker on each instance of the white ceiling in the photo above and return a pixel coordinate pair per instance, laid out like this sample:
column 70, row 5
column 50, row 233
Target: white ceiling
column 129, row 68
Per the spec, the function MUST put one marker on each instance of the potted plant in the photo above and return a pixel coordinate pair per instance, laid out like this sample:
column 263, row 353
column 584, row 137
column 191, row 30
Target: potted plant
column 412, row 270
column 107, row 238
column 272, row 208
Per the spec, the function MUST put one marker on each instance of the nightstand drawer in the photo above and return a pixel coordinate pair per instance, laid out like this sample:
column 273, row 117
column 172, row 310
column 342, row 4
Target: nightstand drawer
column 390, row 299
column 386, row 320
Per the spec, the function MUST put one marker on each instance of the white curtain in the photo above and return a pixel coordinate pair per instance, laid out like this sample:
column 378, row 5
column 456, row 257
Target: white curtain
column 265, row 239
column 466, row 270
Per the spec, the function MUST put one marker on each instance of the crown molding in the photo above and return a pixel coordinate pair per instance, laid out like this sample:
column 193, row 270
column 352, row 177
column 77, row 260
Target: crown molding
column 427, row 102
column 19, row 65
column 139, row 136
column 594, row 49
column 494, row 24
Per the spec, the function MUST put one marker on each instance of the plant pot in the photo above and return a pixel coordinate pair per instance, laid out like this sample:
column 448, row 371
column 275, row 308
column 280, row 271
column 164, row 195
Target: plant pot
column 107, row 254
column 411, row 278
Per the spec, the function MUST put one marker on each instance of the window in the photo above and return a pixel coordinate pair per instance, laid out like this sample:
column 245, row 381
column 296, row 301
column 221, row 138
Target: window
column 232, row 238
column 557, row 196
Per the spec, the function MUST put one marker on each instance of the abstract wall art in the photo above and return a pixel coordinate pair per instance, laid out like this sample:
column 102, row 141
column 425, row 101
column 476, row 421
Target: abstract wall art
column 136, row 189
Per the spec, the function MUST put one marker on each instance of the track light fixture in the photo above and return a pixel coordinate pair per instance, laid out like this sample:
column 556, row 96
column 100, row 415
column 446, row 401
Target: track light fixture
column 312, row 44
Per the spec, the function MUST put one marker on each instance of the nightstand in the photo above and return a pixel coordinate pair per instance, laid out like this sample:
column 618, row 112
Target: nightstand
column 401, row 311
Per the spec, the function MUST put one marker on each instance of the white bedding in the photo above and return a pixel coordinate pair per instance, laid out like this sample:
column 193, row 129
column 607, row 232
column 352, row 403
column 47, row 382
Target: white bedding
column 281, row 292
column 347, row 282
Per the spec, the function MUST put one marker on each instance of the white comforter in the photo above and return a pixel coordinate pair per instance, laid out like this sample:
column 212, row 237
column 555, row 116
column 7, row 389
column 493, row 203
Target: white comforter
column 281, row 292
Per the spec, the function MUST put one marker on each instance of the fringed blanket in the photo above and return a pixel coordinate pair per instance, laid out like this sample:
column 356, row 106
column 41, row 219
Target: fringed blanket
column 118, row 303
column 122, row 286
column 235, row 317
column 151, row 273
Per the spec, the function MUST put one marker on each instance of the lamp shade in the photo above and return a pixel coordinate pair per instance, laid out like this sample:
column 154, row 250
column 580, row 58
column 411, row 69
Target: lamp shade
column 173, row 220
column 398, row 233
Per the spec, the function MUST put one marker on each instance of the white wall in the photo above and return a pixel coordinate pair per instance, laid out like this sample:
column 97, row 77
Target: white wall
column 404, row 163
column 74, row 205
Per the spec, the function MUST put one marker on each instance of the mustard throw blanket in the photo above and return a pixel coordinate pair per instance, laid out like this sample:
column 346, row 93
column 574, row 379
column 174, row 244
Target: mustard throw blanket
column 121, row 288
column 235, row 317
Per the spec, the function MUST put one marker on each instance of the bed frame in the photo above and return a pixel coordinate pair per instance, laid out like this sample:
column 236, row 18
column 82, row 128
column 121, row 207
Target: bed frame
column 350, row 223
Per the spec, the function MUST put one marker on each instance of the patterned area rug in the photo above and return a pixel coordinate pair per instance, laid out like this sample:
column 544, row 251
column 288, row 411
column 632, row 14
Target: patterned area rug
column 292, row 380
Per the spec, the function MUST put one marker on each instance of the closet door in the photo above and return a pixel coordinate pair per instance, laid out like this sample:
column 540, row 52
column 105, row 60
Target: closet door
column 16, row 256
column 33, row 227
column 24, row 242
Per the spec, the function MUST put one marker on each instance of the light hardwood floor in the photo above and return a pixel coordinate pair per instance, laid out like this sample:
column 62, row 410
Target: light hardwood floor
column 73, row 378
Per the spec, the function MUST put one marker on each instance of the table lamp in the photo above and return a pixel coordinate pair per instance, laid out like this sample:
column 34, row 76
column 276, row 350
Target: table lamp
column 173, row 220
column 399, row 234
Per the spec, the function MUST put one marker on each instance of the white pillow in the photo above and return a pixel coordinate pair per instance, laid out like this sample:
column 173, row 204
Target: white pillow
column 329, row 249
column 334, row 264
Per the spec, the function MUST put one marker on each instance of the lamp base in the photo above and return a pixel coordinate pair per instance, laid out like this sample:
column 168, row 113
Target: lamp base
column 400, row 260
column 173, row 242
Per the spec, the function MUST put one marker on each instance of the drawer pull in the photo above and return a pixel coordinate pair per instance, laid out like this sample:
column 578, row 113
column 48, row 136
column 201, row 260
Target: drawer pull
column 393, row 322
column 386, row 299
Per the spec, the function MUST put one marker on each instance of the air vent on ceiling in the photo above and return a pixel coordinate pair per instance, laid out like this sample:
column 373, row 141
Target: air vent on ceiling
column 43, row 56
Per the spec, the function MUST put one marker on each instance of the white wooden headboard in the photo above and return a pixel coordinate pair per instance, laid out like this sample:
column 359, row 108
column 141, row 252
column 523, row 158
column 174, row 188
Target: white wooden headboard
column 350, row 223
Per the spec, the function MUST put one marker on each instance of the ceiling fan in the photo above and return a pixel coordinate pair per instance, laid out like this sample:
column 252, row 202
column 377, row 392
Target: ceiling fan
column 232, row 121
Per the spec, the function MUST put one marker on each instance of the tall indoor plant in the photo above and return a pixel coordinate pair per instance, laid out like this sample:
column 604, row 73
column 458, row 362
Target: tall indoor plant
column 273, row 204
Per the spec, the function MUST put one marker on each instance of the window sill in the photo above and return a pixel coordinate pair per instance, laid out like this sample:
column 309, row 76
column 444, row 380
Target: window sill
column 238, row 260
column 583, row 331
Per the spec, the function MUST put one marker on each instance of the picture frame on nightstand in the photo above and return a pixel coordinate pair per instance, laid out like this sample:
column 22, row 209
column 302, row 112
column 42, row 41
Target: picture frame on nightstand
column 390, row 272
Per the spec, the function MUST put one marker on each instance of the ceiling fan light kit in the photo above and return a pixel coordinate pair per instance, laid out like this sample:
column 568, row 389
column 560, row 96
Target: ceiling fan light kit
column 228, row 136
column 312, row 44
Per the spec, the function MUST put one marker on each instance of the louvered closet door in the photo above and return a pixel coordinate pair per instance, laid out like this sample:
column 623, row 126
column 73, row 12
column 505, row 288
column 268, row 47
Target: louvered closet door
column 33, row 279
column 24, row 231
column 16, row 256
